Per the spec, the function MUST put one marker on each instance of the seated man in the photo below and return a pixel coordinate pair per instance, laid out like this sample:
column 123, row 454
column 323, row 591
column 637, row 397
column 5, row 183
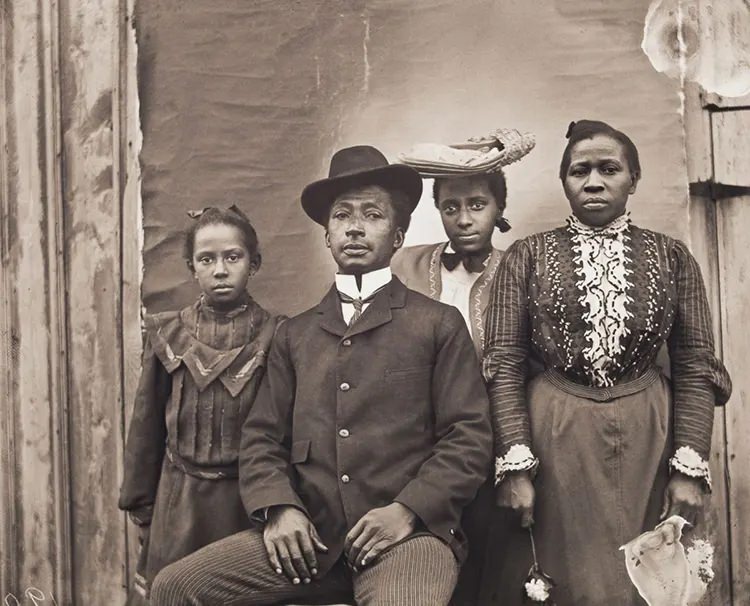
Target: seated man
column 369, row 435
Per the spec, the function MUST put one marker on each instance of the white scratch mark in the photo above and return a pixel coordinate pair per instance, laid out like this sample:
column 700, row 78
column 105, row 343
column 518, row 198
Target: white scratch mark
column 317, row 72
column 365, row 56
column 682, row 57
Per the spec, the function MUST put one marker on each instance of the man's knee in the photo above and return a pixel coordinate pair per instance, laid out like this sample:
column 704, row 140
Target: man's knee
column 421, row 571
column 170, row 586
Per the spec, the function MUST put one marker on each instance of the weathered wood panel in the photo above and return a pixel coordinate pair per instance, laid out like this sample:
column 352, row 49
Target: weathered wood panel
column 35, row 504
column 731, row 147
column 90, row 34
column 704, row 244
column 734, row 216
column 732, row 166
column 62, row 82
column 715, row 525
column 697, row 124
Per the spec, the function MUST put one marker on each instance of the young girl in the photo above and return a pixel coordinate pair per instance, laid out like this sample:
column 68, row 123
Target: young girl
column 201, row 370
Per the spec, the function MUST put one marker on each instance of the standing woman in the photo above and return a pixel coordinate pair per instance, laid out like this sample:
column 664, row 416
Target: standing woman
column 600, row 446
column 202, row 367
column 470, row 193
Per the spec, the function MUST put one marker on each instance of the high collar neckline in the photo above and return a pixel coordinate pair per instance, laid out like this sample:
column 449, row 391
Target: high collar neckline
column 210, row 311
column 615, row 227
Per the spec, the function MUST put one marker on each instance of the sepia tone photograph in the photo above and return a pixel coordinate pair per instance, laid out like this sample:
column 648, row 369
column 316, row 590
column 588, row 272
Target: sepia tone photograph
column 374, row 302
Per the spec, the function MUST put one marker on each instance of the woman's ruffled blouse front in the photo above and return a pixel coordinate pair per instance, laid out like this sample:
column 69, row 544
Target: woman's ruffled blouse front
column 597, row 304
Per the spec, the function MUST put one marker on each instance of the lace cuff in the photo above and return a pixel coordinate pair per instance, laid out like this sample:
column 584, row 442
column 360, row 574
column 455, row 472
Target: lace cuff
column 688, row 461
column 518, row 458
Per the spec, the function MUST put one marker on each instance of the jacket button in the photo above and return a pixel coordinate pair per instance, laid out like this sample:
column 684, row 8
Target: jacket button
column 345, row 479
column 344, row 433
column 345, row 386
column 346, row 342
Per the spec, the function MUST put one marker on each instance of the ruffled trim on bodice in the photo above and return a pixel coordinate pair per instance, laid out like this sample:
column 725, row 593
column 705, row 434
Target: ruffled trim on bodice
column 602, row 258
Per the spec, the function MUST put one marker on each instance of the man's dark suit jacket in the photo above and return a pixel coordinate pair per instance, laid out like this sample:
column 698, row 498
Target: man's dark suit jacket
column 347, row 419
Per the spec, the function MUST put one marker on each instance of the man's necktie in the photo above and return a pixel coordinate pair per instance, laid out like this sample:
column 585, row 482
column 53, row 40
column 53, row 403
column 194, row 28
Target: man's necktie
column 358, row 303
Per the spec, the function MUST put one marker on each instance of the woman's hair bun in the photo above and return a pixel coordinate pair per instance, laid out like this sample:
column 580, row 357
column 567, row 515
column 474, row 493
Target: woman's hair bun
column 502, row 224
column 571, row 126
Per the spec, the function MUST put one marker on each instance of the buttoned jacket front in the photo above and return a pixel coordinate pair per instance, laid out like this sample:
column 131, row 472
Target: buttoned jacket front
column 352, row 418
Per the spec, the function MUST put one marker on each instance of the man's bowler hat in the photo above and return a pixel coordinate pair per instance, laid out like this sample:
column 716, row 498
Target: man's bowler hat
column 359, row 166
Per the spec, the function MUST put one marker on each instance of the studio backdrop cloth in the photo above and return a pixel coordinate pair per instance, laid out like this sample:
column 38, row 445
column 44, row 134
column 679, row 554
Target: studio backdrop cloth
column 245, row 102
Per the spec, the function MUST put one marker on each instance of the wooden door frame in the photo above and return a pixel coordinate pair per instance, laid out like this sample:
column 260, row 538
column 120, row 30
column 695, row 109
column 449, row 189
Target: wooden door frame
column 703, row 241
column 703, row 112
column 31, row 176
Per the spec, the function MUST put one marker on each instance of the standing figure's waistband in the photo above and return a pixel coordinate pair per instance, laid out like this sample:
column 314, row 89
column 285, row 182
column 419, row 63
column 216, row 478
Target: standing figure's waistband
column 602, row 394
column 204, row 472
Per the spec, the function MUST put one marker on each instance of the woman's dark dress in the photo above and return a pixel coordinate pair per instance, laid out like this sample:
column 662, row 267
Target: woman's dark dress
column 596, row 306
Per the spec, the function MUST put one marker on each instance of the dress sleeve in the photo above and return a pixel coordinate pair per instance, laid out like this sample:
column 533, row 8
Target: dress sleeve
column 505, row 361
column 144, row 449
column 699, row 379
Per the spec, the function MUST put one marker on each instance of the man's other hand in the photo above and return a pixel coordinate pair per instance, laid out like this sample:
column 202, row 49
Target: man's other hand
column 376, row 531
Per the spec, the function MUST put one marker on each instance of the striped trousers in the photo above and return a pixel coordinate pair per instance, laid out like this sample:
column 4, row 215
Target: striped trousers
column 235, row 571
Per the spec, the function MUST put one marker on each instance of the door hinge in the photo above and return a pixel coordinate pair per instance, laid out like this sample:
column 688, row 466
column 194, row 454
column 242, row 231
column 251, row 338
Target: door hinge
column 718, row 191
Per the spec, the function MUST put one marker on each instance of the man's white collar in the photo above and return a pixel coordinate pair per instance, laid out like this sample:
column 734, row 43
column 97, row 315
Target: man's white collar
column 371, row 282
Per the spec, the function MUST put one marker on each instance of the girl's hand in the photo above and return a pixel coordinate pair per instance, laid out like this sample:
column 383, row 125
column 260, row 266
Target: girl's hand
column 683, row 496
column 517, row 492
column 143, row 532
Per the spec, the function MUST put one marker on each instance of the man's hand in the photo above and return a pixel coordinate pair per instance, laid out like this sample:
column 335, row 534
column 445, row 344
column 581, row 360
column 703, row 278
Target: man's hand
column 291, row 541
column 376, row 531
column 517, row 492
column 683, row 496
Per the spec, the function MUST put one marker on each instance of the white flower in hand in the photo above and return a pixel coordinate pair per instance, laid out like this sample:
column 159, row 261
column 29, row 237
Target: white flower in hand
column 537, row 590
column 538, row 587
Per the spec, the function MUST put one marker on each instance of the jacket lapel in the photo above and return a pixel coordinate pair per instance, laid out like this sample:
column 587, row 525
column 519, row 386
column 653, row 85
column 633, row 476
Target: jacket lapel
column 379, row 311
column 331, row 319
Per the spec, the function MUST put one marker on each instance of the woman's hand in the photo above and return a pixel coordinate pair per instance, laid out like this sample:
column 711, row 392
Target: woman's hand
column 684, row 496
column 517, row 492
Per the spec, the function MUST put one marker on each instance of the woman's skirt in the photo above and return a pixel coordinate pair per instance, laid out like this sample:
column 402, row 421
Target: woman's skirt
column 603, row 467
